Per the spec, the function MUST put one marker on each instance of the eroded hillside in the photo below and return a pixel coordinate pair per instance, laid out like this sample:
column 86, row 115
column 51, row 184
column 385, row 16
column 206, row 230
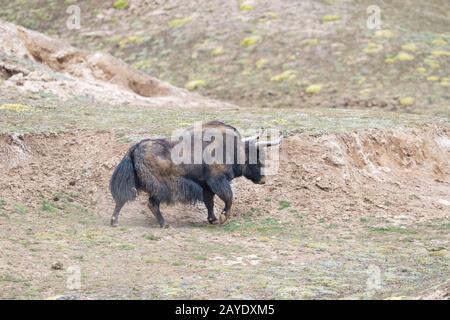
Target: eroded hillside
column 360, row 207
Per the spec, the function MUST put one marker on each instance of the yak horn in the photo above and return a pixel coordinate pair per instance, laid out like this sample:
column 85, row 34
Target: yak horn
column 250, row 138
column 269, row 143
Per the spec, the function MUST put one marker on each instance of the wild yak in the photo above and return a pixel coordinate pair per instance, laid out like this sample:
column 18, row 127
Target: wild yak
column 149, row 166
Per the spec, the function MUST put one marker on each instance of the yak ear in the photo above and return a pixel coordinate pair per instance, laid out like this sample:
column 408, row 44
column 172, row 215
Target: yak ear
column 252, row 138
column 270, row 143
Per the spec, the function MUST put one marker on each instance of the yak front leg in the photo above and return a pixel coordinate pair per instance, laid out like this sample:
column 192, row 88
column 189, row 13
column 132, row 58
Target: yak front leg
column 222, row 188
column 154, row 207
column 226, row 213
column 208, row 199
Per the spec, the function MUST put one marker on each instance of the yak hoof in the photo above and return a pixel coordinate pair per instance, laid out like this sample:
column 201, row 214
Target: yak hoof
column 165, row 226
column 114, row 223
column 223, row 218
column 213, row 221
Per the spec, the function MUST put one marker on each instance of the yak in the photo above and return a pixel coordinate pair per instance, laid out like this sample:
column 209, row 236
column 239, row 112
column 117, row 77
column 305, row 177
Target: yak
column 149, row 167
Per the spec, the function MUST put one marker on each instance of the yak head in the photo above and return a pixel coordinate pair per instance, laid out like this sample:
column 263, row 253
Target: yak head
column 255, row 158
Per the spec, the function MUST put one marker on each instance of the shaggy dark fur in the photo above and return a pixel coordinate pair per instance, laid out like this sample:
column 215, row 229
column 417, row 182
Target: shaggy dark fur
column 148, row 167
column 123, row 180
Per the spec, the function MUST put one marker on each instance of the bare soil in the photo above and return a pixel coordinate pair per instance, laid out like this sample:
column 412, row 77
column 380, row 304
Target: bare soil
column 360, row 207
column 32, row 62
column 341, row 206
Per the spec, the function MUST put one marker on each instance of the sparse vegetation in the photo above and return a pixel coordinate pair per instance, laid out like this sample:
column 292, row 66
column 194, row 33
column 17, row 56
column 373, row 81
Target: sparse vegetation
column 245, row 42
column 20, row 208
column 176, row 23
column 120, row 4
column 284, row 205
column 360, row 110
column 195, row 84
column 151, row 237
column 391, row 229
column 48, row 207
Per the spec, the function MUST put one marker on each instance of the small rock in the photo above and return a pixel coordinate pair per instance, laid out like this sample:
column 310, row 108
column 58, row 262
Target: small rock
column 444, row 202
column 18, row 79
column 334, row 160
column 57, row 265
column 253, row 262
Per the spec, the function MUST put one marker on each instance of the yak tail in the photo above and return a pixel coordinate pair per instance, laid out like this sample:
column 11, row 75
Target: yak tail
column 123, row 181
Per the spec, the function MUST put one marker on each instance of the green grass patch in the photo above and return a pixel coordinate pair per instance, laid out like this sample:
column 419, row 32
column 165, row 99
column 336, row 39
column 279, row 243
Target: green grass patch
column 96, row 237
column 48, row 207
column 250, row 212
column 120, row 4
column 391, row 229
column 232, row 226
column 284, row 204
column 248, row 226
column 2, row 204
column 177, row 23
column 20, row 208
column 10, row 278
column 79, row 113
column 151, row 237
column 125, row 246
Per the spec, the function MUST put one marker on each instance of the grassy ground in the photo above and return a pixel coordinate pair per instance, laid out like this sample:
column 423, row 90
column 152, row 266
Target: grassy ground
column 251, row 257
column 264, row 56
column 43, row 113
column 265, row 53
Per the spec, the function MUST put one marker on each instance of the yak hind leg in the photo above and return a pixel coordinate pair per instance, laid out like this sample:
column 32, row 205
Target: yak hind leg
column 154, row 207
column 116, row 213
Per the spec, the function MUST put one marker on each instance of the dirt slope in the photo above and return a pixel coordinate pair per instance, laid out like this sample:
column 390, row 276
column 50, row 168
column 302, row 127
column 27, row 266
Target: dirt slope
column 352, row 196
column 359, row 209
column 332, row 165
column 349, row 165
column 33, row 62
